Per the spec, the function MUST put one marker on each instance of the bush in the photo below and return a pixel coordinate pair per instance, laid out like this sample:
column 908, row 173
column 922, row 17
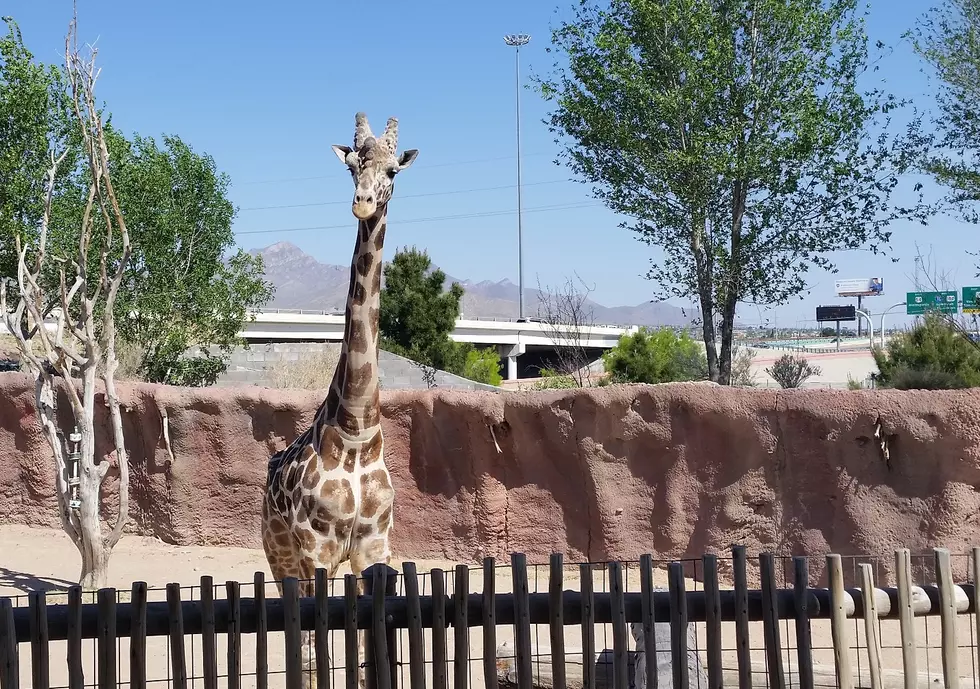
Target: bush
column 791, row 371
column 312, row 371
column 742, row 375
column 655, row 357
column 552, row 380
column 483, row 366
column 933, row 355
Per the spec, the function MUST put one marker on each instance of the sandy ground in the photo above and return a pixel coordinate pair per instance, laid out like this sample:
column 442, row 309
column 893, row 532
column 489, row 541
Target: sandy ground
column 35, row 558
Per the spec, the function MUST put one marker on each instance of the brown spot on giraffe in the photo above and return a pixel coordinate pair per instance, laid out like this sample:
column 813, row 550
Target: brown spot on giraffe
column 358, row 338
column 371, row 451
column 376, row 279
column 364, row 262
column 357, row 380
column 379, row 237
column 372, row 412
column 350, row 460
column 347, row 421
column 331, row 448
column 375, row 489
column 358, row 296
column 384, row 520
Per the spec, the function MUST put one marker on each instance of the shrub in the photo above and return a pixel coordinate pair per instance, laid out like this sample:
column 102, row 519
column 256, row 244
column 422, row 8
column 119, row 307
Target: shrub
column 483, row 366
column 313, row 371
column 659, row 356
column 742, row 375
column 933, row 355
column 552, row 380
column 791, row 371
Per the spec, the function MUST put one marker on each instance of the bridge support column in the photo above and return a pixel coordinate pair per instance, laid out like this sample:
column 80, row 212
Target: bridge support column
column 510, row 353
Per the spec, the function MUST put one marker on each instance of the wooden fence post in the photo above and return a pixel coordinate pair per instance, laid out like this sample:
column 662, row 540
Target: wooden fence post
column 381, row 647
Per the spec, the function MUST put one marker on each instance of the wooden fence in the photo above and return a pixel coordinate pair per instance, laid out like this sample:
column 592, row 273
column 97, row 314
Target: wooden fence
column 380, row 614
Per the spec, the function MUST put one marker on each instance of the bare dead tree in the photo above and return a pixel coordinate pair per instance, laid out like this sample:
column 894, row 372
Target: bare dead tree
column 929, row 275
column 568, row 316
column 83, row 341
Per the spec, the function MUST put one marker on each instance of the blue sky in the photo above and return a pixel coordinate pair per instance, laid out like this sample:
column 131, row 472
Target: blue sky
column 267, row 89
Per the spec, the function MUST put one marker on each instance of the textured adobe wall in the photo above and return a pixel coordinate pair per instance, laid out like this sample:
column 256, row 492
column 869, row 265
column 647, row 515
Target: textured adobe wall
column 612, row 472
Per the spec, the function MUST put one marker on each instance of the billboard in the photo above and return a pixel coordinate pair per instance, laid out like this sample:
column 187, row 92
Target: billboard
column 971, row 300
column 858, row 287
column 836, row 313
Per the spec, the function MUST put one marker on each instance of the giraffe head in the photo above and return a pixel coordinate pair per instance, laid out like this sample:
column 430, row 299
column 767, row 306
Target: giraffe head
column 373, row 164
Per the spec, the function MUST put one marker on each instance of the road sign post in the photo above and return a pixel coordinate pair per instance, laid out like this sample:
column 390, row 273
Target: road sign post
column 971, row 300
column 918, row 303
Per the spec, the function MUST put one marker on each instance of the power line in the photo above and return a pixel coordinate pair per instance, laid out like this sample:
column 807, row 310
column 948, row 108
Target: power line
column 405, row 196
column 424, row 167
column 437, row 218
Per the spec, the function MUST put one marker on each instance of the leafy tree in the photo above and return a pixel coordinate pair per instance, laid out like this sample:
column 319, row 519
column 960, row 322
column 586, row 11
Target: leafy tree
column 34, row 117
column 175, row 203
column 733, row 135
column 181, row 288
column 791, row 371
column 655, row 357
column 417, row 316
column 947, row 37
column 933, row 355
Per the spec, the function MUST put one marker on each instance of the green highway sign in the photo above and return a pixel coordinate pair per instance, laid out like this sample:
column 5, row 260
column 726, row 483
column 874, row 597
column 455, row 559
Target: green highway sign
column 971, row 300
column 917, row 303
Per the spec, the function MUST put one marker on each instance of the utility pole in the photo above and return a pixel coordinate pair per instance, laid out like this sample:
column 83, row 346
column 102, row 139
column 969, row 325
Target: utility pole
column 516, row 41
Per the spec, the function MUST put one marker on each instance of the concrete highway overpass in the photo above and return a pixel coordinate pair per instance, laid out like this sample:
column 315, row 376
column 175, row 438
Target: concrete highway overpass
column 531, row 340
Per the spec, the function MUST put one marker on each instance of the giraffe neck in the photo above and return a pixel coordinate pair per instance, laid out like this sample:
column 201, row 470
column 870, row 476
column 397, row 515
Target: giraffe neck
column 353, row 403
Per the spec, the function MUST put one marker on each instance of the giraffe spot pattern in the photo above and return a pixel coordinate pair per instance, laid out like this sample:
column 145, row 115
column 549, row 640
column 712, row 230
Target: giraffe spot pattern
column 379, row 238
column 358, row 338
column 347, row 421
column 371, row 452
column 331, row 448
column 364, row 263
column 376, row 490
column 357, row 380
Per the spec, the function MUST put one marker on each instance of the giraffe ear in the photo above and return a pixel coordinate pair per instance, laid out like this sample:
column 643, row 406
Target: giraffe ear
column 341, row 152
column 407, row 158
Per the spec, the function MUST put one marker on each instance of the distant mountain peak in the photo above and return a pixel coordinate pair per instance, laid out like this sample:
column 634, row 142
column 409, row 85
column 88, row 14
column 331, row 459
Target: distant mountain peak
column 302, row 282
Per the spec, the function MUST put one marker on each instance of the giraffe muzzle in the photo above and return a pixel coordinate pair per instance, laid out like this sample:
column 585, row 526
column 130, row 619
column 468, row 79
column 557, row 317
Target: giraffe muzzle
column 364, row 206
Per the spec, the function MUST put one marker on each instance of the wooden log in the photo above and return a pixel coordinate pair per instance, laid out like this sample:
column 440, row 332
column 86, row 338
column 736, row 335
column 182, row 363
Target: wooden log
column 461, row 628
column 76, row 674
column 440, row 679
column 351, row 651
column 40, row 652
column 871, row 625
column 712, row 620
column 489, row 623
column 557, row 626
column 804, row 655
column 321, row 628
column 522, row 620
column 293, row 642
column 416, row 658
column 587, row 611
column 903, row 576
column 107, row 638
column 9, row 656
column 234, row 631
column 947, row 618
column 770, row 622
column 842, row 661
column 209, row 639
column 741, row 615
column 178, row 660
column 620, row 672
column 261, row 633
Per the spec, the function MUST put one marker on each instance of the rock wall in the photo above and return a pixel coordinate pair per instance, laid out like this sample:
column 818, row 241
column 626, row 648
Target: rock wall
column 676, row 470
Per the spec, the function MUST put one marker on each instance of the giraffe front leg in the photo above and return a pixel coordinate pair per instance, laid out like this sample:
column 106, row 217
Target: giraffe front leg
column 311, row 560
column 370, row 550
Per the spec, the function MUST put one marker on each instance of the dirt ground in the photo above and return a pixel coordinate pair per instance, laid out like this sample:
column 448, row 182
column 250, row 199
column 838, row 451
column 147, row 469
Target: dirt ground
column 32, row 559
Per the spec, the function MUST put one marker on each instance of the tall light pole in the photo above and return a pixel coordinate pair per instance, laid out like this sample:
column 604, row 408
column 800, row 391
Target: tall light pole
column 517, row 40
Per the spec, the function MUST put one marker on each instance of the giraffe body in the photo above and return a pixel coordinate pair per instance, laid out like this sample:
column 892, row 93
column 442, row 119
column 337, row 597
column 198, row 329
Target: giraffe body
column 329, row 497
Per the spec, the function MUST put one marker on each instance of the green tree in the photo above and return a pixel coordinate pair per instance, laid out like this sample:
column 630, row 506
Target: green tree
column 734, row 136
column 933, row 355
column 655, row 357
column 183, row 289
column 34, row 117
column 947, row 37
column 417, row 315
column 184, row 285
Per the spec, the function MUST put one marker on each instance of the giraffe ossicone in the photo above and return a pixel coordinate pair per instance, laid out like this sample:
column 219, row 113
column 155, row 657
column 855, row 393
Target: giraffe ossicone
column 328, row 496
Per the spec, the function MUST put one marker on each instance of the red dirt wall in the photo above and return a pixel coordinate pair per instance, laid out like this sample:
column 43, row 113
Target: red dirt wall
column 676, row 470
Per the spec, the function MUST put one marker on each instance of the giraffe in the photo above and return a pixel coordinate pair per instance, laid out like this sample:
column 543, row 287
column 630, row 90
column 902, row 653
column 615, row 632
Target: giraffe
column 328, row 495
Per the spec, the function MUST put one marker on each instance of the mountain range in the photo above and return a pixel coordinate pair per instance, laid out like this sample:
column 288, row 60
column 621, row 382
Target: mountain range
column 302, row 282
